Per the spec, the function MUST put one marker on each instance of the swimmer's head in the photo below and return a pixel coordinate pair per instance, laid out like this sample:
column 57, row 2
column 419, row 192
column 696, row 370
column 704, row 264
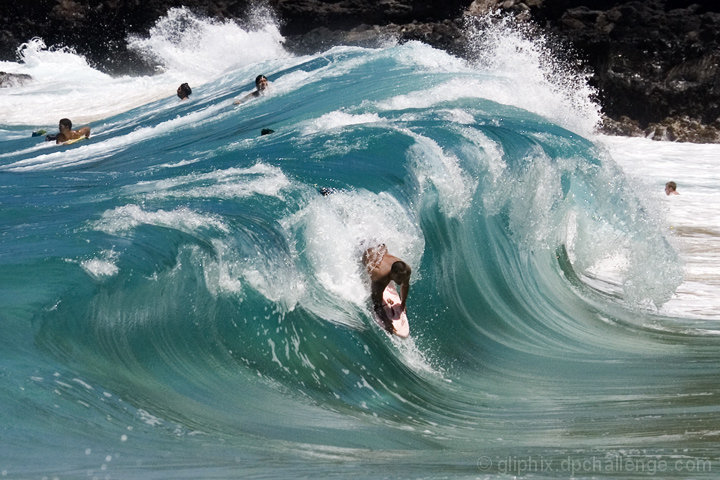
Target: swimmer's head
column 184, row 91
column 261, row 82
column 65, row 123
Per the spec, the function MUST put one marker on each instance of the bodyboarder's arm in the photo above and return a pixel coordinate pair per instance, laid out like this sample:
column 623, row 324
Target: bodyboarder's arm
column 404, row 290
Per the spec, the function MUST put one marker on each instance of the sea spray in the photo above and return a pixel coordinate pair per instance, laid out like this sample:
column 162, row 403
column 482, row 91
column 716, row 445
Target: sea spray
column 520, row 54
column 203, row 48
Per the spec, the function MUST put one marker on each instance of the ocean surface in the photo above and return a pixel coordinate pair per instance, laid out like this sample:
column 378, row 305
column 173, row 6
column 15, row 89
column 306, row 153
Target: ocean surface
column 178, row 300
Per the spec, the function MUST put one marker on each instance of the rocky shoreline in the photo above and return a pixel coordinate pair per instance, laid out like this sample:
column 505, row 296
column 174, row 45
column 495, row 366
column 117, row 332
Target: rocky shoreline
column 654, row 63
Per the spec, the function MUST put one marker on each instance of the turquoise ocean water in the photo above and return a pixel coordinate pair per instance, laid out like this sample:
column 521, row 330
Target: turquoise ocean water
column 177, row 299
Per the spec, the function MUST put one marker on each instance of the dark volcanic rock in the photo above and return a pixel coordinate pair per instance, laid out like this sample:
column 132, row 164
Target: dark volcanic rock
column 684, row 129
column 305, row 15
column 654, row 61
column 447, row 35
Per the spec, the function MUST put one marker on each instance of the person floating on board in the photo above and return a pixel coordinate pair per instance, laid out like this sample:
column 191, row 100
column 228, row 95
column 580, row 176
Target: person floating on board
column 184, row 91
column 261, row 83
column 67, row 133
column 671, row 188
column 384, row 268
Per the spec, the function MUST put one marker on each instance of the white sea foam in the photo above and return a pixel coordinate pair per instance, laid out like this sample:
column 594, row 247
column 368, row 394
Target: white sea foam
column 523, row 71
column 185, row 47
column 128, row 217
column 228, row 270
column 422, row 56
column 184, row 42
column 454, row 89
column 414, row 356
column 434, row 166
column 221, row 270
column 457, row 116
column 259, row 179
column 339, row 119
column 148, row 418
column 64, row 85
column 691, row 219
column 83, row 383
column 103, row 266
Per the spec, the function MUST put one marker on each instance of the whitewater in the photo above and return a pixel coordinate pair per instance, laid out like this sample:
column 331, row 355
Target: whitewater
column 179, row 300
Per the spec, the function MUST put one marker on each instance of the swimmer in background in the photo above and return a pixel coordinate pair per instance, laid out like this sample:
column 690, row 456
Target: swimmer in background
column 184, row 91
column 671, row 188
column 384, row 268
column 67, row 133
column 261, row 83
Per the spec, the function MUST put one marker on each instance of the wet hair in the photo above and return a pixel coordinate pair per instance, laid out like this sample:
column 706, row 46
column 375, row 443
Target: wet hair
column 65, row 122
column 258, row 78
column 671, row 185
column 184, row 90
column 401, row 269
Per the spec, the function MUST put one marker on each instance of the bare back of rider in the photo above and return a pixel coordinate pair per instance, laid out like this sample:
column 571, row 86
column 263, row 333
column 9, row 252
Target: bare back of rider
column 72, row 135
column 384, row 268
column 67, row 133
